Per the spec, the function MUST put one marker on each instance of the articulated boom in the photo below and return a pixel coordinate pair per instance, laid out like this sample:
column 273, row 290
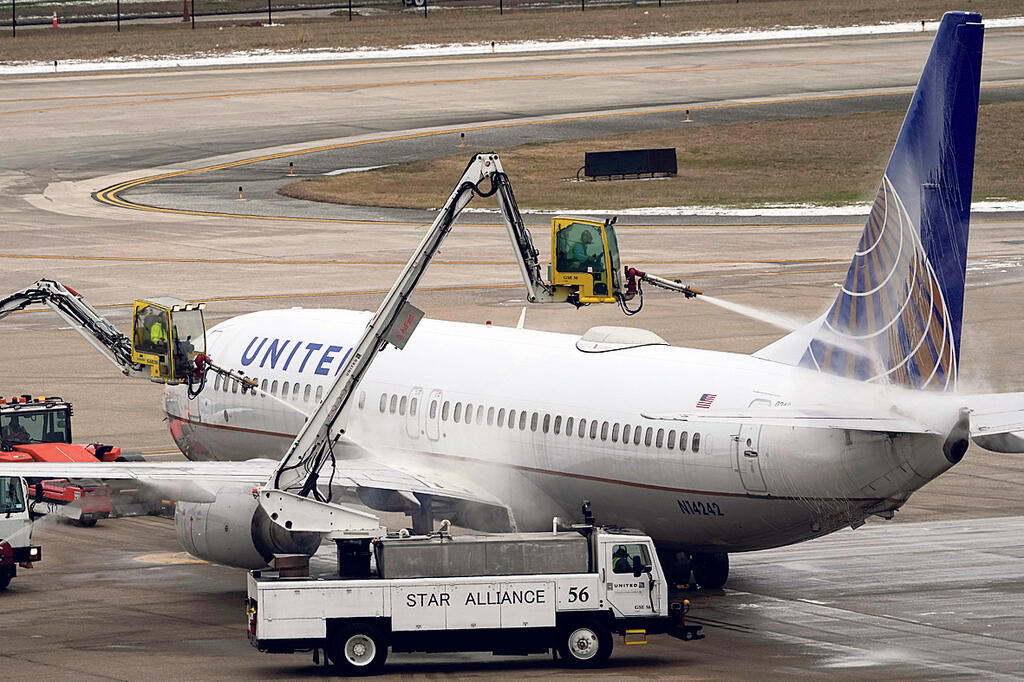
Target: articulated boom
column 82, row 317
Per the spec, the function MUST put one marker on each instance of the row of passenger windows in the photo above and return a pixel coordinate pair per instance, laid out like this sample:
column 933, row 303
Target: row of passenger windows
column 579, row 427
column 293, row 390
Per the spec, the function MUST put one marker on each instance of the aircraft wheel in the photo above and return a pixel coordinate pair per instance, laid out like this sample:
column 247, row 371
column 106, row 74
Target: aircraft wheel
column 585, row 644
column 677, row 566
column 358, row 649
column 711, row 570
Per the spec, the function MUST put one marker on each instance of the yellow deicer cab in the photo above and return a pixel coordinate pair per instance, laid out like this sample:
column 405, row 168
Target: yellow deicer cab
column 585, row 254
column 167, row 335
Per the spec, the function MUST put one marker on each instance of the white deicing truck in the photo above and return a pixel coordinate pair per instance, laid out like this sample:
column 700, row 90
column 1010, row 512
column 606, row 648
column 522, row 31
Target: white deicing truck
column 510, row 593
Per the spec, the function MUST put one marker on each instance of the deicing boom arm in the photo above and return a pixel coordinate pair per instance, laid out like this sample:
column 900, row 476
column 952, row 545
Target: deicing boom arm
column 82, row 317
column 313, row 447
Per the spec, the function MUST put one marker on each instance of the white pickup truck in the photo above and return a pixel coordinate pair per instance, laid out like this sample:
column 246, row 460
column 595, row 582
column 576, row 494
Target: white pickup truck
column 511, row 593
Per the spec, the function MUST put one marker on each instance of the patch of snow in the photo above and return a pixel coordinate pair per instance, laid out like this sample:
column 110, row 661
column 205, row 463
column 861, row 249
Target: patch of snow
column 252, row 57
column 770, row 210
column 342, row 171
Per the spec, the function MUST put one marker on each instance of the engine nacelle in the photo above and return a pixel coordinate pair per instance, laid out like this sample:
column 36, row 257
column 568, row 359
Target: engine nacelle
column 234, row 531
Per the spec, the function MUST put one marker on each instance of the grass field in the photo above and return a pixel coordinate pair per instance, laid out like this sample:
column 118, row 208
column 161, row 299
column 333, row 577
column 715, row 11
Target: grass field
column 829, row 160
column 389, row 26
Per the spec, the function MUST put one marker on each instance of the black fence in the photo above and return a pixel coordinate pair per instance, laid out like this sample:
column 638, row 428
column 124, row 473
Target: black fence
column 631, row 162
column 40, row 12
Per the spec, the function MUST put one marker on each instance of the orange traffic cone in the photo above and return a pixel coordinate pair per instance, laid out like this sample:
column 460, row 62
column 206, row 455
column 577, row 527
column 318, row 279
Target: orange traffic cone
column 55, row 18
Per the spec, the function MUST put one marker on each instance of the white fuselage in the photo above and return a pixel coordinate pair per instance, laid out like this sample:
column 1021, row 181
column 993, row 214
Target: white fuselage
column 731, row 487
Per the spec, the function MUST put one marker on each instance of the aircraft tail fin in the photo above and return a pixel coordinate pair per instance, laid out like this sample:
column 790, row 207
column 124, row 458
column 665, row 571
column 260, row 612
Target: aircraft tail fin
column 902, row 299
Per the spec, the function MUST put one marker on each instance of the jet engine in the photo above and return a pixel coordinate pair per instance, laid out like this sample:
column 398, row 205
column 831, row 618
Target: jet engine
column 233, row 530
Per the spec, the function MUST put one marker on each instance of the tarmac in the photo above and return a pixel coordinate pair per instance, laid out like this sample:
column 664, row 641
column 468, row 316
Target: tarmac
column 935, row 593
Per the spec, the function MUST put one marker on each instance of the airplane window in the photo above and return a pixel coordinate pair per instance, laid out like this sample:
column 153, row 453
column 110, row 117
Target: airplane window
column 593, row 429
column 480, row 415
column 445, row 409
column 469, row 413
column 522, row 420
column 683, row 437
column 547, row 423
column 661, row 438
column 615, row 432
column 383, row 402
column 362, row 399
column 284, row 389
column 647, row 436
column 234, row 387
column 273, row 388
column 696, row 442
column 264, row 386
column 671, row 439
column 216, row 383
column 402, row 404
column 412, row 406
column 582, row 428
column 568, row 426
column 295, row 390
column 604, row 431
column 707, row 444
column 511, row 418
column 533, row 422
column 501, row 417
column 433, row 409
column 319, row 393
column 558, row 425
column 307, row 393
column 490, row 416
column 626, row 430
column 458, row 412
column 393, row 405
column 638, row 433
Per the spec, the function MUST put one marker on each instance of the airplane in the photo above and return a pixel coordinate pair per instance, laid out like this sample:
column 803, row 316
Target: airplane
column 708, row 452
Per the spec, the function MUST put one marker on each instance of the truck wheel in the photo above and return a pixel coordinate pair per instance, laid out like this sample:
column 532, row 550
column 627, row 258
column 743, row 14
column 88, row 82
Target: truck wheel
column 85, row 523
column 5, row 579
column 585, row 644
column 358, row 649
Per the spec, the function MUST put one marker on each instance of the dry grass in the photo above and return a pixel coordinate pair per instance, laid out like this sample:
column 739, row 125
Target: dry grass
column 829, row 160
column 390, row 27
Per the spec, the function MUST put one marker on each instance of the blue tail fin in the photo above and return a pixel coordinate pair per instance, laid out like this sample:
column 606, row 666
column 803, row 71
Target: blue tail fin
column 902, row 301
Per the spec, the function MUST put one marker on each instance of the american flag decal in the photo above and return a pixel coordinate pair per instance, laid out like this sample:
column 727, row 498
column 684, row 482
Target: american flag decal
column 706, row 400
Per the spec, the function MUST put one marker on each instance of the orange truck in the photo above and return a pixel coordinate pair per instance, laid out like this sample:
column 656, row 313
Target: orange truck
column 39, row 430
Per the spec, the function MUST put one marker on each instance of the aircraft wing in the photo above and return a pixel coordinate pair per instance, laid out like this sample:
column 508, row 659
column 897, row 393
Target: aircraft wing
column 359, row 472
column 997, row 420
column 811, row 417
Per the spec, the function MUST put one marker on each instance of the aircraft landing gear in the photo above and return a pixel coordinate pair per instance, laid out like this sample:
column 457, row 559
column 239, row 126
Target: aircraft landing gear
column 677, row 567
column 710, row 571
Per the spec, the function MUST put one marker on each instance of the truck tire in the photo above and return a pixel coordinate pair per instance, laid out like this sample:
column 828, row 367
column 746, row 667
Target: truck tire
column 358, row 649
column 5, row 578
column 584, row 643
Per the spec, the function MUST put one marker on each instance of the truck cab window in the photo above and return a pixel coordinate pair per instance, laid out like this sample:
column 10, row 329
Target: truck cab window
column 12, row 498
column 623, row 556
